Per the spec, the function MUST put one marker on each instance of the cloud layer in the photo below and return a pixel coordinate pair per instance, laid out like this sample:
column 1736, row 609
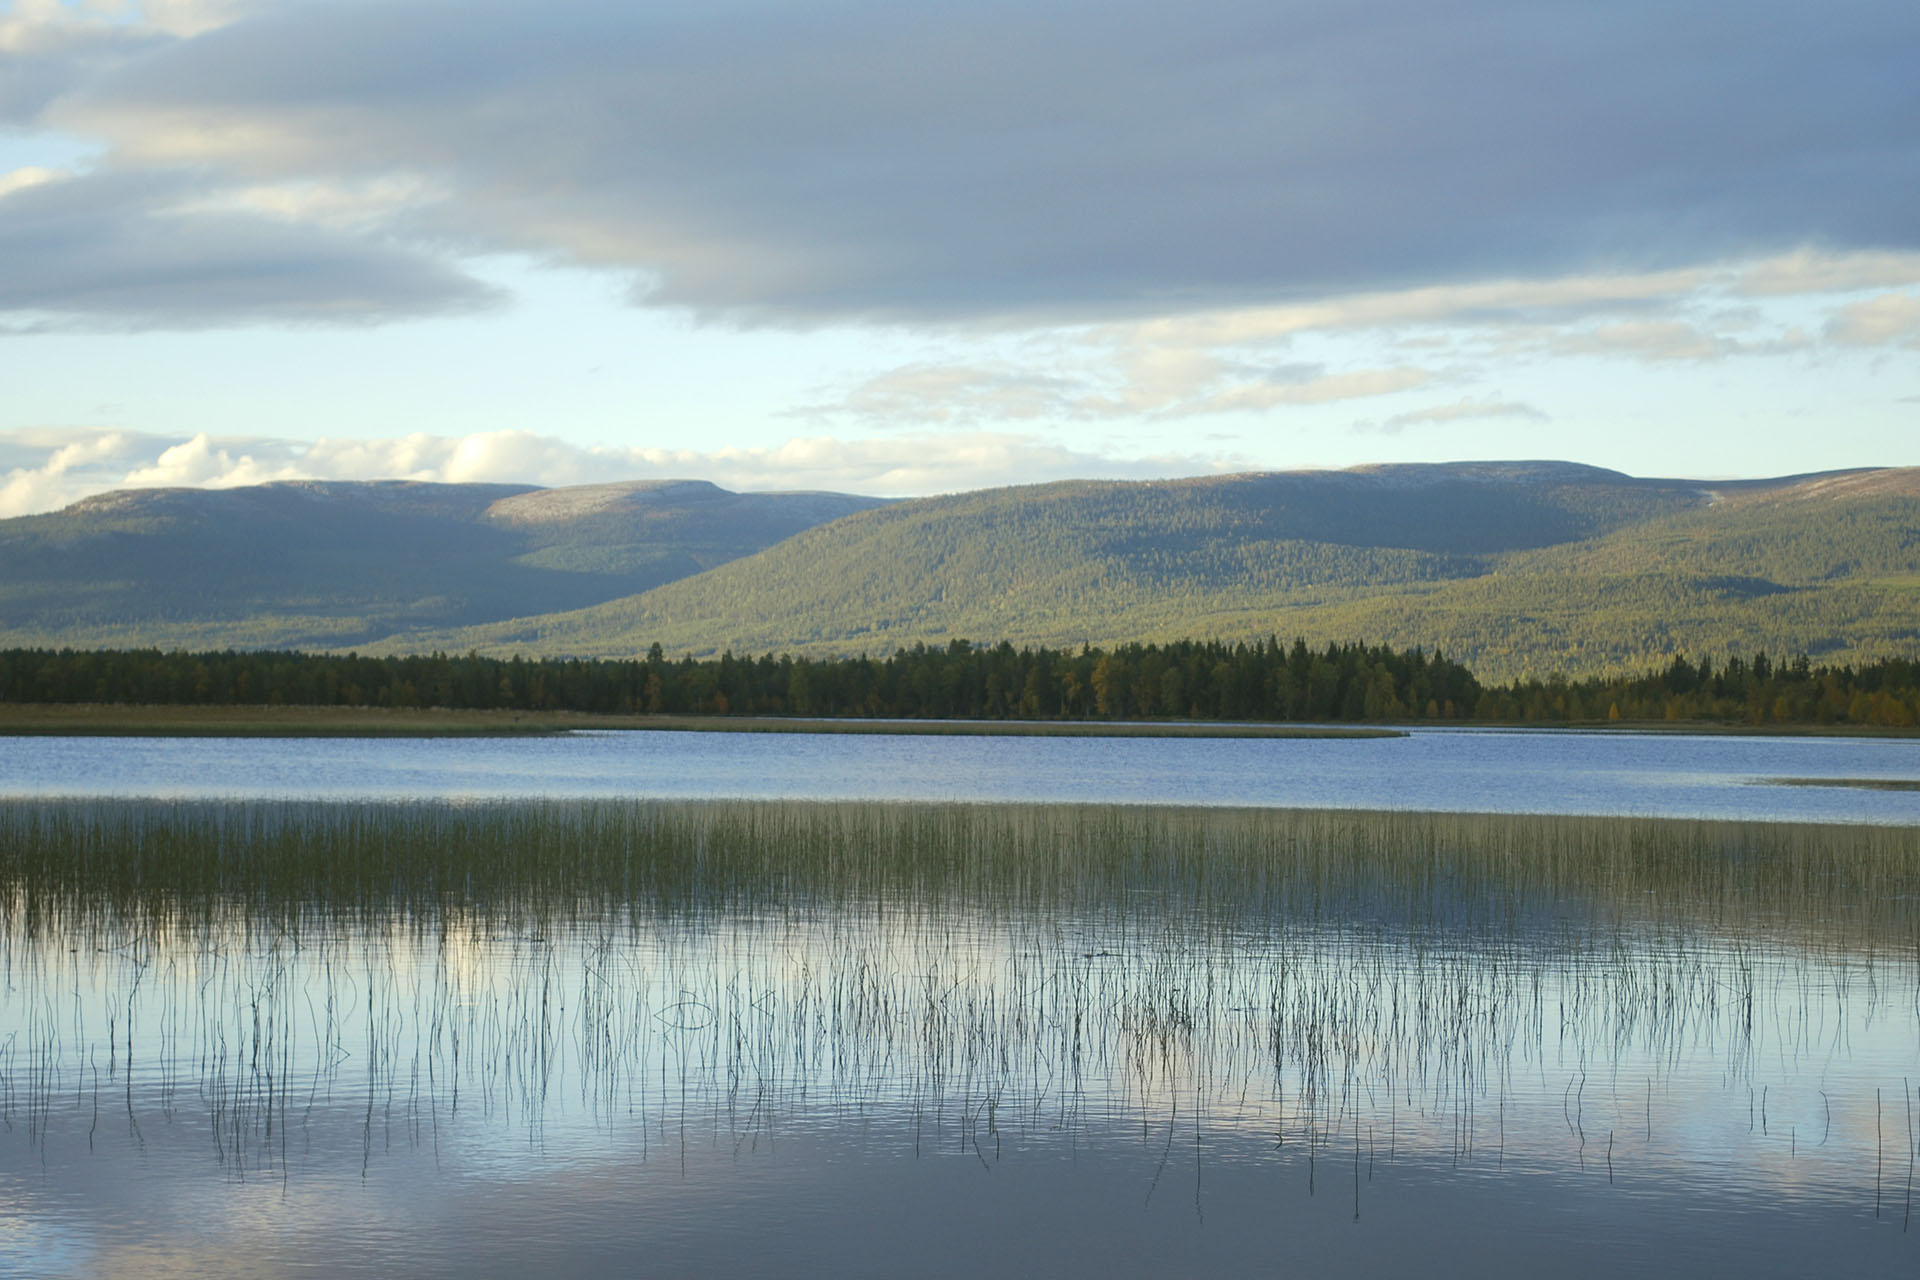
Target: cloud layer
column 136, row 250
column 1065, row 161
column 1247, row 359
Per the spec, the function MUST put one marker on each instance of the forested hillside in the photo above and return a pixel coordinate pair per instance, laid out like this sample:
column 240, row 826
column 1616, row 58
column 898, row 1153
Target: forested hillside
column 1518, row 569
column 323, row 564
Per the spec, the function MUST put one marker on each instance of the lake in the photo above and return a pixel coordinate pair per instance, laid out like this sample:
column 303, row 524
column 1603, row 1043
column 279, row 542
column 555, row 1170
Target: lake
column 1461, row 1003
column 1449, row 770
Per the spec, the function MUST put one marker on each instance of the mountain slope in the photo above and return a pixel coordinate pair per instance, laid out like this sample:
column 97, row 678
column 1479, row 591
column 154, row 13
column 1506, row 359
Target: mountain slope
column 1515, row 567
column 313, row 564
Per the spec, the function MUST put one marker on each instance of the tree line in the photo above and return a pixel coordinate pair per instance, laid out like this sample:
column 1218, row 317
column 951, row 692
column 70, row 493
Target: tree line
column 1199, row 680
column 1756, row 691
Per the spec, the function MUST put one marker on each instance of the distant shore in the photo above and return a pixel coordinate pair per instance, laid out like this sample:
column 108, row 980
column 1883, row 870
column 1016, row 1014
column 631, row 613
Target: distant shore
column 1715, row 728
column 91, row 719
column 111, row 720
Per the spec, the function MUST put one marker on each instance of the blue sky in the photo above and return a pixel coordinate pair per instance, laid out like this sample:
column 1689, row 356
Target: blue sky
column 909, row 249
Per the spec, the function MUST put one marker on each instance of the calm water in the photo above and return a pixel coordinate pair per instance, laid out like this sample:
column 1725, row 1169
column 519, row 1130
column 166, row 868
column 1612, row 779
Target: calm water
column 431, row 1007
column 1445, row 770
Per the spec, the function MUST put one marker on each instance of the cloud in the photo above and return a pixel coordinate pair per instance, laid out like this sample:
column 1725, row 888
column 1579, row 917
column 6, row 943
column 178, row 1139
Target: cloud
column 60, row 467
column 1877, row 321
column 1666, row 339
column 1646, row 340
column 62, row 476
column 48, row 48
column 1288, row 389
column 1165, row 382
column 1039, row 163
column 1231, row 359
column 1636, row 303
column 192, row 17
column 937, row 395
column 1486, row 302
column 1458, row 411
column 199, row 463
column 27, row 176
column 1808, row 271
column 895, row 465
column 145, row 249
column 921, row 463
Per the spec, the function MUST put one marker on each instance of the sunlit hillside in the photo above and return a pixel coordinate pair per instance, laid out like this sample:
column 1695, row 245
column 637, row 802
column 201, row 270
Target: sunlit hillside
column 1517, row 568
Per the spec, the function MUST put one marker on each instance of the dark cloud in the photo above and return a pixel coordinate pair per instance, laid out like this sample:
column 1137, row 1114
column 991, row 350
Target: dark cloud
column 134, row 250
column 1060, row 160
column 40, row 59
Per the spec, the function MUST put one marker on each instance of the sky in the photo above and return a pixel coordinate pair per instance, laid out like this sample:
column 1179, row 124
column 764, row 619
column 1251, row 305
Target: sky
column 906, row 249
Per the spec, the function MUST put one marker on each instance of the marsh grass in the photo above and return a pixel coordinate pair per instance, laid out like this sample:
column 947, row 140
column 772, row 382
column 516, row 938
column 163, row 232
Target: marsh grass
column 1851, row 885
column 979, row 974
column 1860, row 784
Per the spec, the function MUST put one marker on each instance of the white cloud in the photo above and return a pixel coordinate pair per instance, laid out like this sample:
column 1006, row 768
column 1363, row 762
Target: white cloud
column 63, row 476
column 72, row 465
column 894, row 465
column 1647, row 340
column 200, row 463
column 1547, row 303
column 1162, row 382
column 921, row 463
column 1809, row 271
column 32, row 175
column 1877, row 321
column 1221, row 360
column 1484, row 302
column 194, row 17
column 1231, row 360
column 935, row 394
column 1323, row 389
column 1458, row 411
column 358, row 205
column 1661, row 341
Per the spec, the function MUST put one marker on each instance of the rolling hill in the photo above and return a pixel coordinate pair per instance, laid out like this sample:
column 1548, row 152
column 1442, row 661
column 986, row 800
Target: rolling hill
column 334, row 564
column 1517, row 568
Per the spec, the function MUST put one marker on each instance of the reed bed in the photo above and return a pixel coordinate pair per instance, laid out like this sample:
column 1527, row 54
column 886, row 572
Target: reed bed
column 966, row 974
column 1851, row 885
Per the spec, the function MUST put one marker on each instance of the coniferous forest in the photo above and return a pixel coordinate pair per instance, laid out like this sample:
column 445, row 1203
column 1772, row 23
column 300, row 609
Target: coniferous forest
column 1188, row 680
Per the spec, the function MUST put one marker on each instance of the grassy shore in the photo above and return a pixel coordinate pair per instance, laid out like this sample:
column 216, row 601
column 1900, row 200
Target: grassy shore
column 94, row 719
column 1727, row 728
column 1863, row 784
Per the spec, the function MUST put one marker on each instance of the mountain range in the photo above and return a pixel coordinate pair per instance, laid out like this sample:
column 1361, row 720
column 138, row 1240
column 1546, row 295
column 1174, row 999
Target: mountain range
column 330, row 565
column 1517, row 568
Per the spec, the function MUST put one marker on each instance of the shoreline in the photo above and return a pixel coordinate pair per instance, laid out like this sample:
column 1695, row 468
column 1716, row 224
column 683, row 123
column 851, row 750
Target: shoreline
column 88, row 719
column 120, row 720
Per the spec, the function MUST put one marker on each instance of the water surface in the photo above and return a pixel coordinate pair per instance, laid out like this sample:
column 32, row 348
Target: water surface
column 1678, row 775
column 682, row 1037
